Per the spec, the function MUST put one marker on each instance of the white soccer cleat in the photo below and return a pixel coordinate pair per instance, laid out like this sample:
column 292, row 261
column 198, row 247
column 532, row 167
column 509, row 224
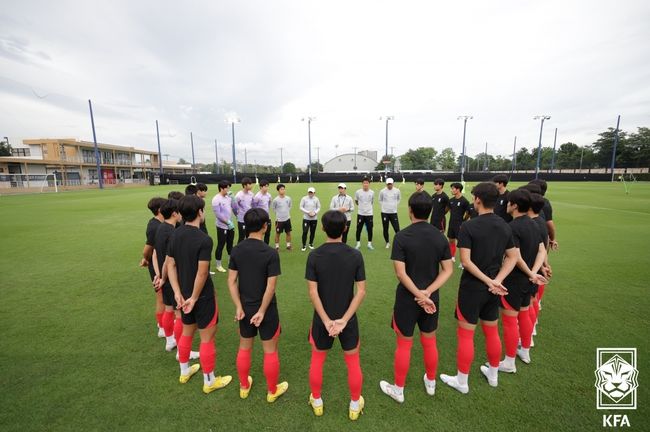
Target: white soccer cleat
column 303, row 248
column 370, row 247
column 452, row 381
column 170, row 345
column 429, row 385
column 161, row 332
column 524, row 355
column 507, row 367
column 485, row 370
column 311, row 247
column 358, row 246
column 387, row 245
column 391, row 390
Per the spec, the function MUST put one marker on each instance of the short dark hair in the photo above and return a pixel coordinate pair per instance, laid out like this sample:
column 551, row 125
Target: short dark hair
column 536, row 202
column 170, row 206
column 189, row 207
column 522, row 198
column 419, row 181
column 191, row 189
column 487, row 192
column 532, row 188
column 280, row 186
column 542, row 185
column 224, row 184
column 202, row 187
column 457, row 185
column 175, row 195
column 334, row 223
column 255, row 218
column 420, row 204
column 439, row 181
column 246, row 181
column 501, row 178
column 365, row 179
column 154, row 204
column 264, row 182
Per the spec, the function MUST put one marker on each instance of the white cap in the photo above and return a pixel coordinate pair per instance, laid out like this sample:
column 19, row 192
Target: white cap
column 389, row 180
column 342, row 185
column 311, row 189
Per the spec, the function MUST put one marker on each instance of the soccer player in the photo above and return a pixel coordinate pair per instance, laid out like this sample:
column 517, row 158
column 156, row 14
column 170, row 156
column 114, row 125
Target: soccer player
column 343, row 203
column 547, row 213
column 252, row 276
column 194, row 190
column 419, row 184
column 222, row 208
column 331, row 272
column 281, row 206
column 309, row 206
column 483, row 242
column 515, row 317
column 389, row 198
column 458, row 212
column 241, row 204
column 501, row 209
column 440, row 207
column 364, row 199
column 188, row 262
column 422, row 264
column 262, row 200
column 202, row 190
column 177, row 195
column 154, row 205
column 536, row 206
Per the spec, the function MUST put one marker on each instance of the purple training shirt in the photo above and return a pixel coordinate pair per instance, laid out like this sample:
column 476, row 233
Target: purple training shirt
column 241, row 204
column 222, row 208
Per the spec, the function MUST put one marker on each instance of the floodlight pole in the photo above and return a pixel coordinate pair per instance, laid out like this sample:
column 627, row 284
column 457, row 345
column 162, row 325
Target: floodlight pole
column 232, row 121
column 553, row 157
column 193, row 161
column 92, row 123
column 281, row 162
column 514, row 157
column 387, row 118
column 487, row 162
column 216, row 155
column 618, row 123
column 582, row 152
column 309, row 120
column 462, row 160
column 355, row 158
column 539, row 146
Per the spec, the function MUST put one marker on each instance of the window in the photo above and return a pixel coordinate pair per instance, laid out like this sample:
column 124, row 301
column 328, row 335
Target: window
column 88, row 156
column 20, row 152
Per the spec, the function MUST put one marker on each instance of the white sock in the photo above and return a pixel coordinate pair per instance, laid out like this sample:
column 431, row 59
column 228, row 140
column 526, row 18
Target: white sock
column 318, row 402
column 354, row 404
column 462, row 378
column 218, row 263
column 510, row 361
column 369, row 243
column 493, row 372
column 398, row 390
column 170, row 340
column 208, row 379
column 524, row 351
column 185, row 368
column 277, row 245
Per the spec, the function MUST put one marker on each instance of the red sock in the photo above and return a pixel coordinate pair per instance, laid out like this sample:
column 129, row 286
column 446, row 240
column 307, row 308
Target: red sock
column 430, row 349
column 540, row 291
column 510, row 334
column 184, row 348
column 208, row 356
column 271, row 370
column 316, row 372
column 168, row 323
column 531, row 312
column 355, row 377
column 525, row 328
column 402, row 360
column 178, row 330
column 465, row 352
column 452, row 248
column 243, row 366
column 159, row 319
column 492, row 344
column 536, row 307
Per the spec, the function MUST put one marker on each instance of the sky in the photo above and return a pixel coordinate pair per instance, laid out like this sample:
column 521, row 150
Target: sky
column 193, row 65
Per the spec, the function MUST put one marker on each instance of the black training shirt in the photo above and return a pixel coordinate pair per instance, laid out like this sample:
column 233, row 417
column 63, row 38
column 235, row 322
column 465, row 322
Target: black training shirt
column 152, row 227
column 488, row 236
column 543, row 229
column 457, row 209
column 547, row 211
column 501, row 208
column 189, row 245
column 440, row 203
column 255, row 262
column 527, row 238
column 163, row 234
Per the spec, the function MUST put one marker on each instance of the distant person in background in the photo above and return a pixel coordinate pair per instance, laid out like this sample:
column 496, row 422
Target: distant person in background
column 281, row 206
column 147, row 253
column 222, row 208
column 389, row 198
column 364, row 198
column 419, row 185
column 440, row 208
column 343, row 203
column 241, row 204
column 262, row 200
column 309, row 206
column 501, row 209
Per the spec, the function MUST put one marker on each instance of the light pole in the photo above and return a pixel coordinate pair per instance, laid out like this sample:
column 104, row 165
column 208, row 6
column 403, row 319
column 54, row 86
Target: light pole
column 539, row 146
column 618, row 123
column 216, row 155
column 355, row 158
column 553, row 157
column 462, row 159
column 281, row 162
column 232, row 121
column 193, row 161
column 514, row 157
column 582, row 152
column 309, row 120
column 387, row 118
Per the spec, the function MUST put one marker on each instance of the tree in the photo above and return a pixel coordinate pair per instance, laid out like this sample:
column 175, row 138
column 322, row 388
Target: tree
column 524, row 159
column 604, row 146
column 446, row 160
column 182, row 161
column 316, row 167
column 289, row 168
column 380, row 166
column 5, row 148
column 423, row 158
column 568, row 156
column 638, row 148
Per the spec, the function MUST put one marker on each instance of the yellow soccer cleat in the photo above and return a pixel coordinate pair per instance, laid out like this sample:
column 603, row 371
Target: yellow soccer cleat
column 243, row 392
column 193, row 369
column 219, row 382
column 354, row 414
column 318, row 410
column 280, row 389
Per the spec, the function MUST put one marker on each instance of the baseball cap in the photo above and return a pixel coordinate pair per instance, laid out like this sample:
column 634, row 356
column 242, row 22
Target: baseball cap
column 342, row 185
column 311, row 189
column 389, row 180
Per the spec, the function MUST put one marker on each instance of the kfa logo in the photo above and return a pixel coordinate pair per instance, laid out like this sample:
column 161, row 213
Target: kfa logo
column 616, row 383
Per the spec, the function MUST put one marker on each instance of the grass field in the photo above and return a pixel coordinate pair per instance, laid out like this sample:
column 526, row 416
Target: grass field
column 79, row 349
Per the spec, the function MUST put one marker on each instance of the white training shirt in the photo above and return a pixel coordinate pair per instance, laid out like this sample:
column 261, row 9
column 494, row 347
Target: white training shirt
column 309, row 204
column 282, row 208
column 389, row 200
column 345, row 201
column 364, row 200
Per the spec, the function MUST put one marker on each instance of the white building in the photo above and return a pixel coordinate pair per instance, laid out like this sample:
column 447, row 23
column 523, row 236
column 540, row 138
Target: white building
column 364, row 161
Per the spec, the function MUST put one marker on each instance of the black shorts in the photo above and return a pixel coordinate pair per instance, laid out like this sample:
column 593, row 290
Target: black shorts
column 476, row 303
column 320, row 339
column 454, row 229
column 518, row 297
column 268, row 329
column 168, row 295
column 205, row 313
column 533, row 290
column 440, row 224
column 407, row 312
column 281, row 227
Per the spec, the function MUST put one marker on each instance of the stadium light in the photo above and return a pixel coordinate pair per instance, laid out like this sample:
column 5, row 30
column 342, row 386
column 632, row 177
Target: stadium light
column 309, row 120
column 462, row 159
column 281, row 162
column 232, row 120
column 618, row 123
column 387, row 118
column 539, row 146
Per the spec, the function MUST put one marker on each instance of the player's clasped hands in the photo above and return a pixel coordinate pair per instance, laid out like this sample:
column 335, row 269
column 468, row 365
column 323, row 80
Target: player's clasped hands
column 425, row 302
column 257, row 319
column 239, row 314
column 538, row 279
column 497, row 288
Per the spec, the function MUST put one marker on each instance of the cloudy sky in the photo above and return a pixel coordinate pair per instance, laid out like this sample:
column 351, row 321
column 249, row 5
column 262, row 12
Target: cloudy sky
column 192, row 64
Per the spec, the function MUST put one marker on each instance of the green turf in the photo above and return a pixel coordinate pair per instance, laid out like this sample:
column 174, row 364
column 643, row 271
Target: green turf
column 79, row 350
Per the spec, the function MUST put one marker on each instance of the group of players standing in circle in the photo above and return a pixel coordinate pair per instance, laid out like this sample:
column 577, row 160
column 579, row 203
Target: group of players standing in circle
column 503, row 238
